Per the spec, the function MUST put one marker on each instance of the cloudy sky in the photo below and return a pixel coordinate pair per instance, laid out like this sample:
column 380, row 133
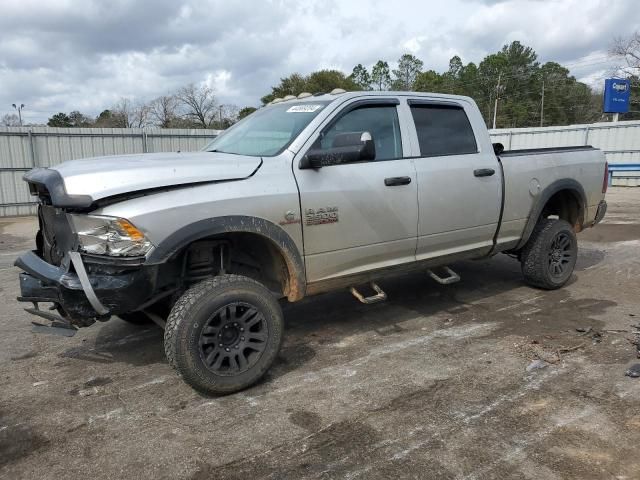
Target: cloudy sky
column 63, row 55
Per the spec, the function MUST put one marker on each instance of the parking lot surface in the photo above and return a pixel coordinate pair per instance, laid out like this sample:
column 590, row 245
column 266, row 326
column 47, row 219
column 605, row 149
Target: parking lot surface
column 487, row 378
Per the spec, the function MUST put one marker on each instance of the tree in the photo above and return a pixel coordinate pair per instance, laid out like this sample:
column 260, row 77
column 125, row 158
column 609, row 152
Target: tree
column 245, row 112
column 59, row 120
column 111, row 119
column 628, row 49
column 322, row 81
column 409, row 67
column 77, row 119
column 10, row 120
column 430, row 81
column 360, row 76
column 162, row 110
column 380, row 75
column 227, row 116
column 199, row 104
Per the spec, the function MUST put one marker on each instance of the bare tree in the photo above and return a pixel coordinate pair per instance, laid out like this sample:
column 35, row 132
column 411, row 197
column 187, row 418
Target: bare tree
column 10, row 120
column 123, row 113
column 163, row 109
column 628, row 49
column 227, row 116
column 199, row 104
column 141, row 115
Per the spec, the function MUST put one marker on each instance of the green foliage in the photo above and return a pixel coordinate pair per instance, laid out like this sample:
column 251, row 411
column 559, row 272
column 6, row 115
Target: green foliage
column 59, row 120
column 322, row 81
column 360, row 76
column 110, row 119
column 78, row 119
column 409, row 67
column 381, row 75
column 245, row 112
column 515, row 68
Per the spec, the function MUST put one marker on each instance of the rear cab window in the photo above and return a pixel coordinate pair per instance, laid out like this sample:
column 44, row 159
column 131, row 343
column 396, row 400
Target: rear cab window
column 442, row 129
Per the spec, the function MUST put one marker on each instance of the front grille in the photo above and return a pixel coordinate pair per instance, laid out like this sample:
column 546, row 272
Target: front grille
column 55, row 237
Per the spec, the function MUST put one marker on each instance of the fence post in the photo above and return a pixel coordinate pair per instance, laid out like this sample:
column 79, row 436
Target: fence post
column 510, row 139
column 32, row 150
column 145, row 148
column 586, row 135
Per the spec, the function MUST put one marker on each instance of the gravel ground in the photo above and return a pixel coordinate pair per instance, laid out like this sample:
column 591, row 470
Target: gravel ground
column 438, row 382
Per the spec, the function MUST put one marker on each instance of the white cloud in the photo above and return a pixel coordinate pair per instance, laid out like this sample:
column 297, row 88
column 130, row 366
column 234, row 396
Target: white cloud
column 61, row 55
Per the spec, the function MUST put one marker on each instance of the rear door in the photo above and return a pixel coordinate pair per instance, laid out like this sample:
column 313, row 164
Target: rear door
column 459, row 179
column 359, row 216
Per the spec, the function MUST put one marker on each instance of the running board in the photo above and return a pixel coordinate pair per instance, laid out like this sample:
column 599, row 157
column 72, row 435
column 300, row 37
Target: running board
column 452, row 278
column 380, row 296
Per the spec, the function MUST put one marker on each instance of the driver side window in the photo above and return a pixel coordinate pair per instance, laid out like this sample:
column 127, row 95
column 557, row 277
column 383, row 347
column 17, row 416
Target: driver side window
column 381, row 121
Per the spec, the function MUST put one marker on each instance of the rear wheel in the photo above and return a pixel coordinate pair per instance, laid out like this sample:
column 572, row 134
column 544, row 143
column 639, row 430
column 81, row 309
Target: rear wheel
column 224, row 333
column 550, row 255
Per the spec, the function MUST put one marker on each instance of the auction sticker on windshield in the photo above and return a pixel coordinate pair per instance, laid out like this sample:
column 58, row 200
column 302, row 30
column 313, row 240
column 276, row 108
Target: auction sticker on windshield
column 304, row 108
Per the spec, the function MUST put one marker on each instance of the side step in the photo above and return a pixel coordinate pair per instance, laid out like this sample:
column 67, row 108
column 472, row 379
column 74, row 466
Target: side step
column 453, row 277
column 380, row 296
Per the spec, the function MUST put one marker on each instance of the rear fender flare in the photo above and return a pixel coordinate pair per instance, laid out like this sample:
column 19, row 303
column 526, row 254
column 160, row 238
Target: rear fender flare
column 542, row 199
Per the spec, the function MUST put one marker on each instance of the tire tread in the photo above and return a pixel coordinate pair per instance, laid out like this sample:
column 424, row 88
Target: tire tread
column 180, row 313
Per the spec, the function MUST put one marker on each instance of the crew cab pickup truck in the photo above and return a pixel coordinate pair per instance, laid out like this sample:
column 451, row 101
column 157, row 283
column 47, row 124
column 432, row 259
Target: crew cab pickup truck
column 306, row 195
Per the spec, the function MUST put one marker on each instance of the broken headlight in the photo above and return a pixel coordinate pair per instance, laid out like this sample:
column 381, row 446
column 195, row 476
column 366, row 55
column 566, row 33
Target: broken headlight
column 109, row 236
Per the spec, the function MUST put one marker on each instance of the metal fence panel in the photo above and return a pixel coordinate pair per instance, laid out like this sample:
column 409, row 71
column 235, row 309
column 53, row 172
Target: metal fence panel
column 620, row 141
column 22, row 148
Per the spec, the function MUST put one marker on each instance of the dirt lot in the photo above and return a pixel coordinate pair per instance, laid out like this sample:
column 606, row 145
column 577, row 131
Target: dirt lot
column 431, row 384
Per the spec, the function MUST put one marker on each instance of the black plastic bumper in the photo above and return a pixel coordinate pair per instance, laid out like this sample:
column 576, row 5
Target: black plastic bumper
column 601, row 212
column 120, row 288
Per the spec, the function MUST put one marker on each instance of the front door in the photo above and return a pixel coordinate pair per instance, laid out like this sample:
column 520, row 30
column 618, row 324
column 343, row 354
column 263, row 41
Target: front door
column 354, row 220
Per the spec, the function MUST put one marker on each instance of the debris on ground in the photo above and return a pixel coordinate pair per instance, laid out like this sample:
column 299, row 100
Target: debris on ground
column 536, row 365
column 545, row 352
column 633, row 371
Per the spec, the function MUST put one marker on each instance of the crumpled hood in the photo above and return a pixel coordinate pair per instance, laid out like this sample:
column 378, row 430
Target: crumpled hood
column 102, row 177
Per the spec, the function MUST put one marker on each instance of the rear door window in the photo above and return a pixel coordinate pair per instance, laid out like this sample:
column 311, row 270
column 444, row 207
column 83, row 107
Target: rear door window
column 443, row 130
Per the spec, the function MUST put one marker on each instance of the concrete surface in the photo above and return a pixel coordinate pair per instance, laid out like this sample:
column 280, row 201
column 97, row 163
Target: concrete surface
column 431, row 384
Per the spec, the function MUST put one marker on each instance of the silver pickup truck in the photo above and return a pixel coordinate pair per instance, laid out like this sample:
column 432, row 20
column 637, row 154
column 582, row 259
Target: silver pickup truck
column 306, row 195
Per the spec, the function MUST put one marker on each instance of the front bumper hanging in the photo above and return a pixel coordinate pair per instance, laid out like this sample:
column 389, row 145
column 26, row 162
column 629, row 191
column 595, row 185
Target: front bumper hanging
column 95, row 291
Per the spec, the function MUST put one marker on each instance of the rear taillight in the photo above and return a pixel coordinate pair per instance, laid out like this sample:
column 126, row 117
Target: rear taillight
column 605, row 181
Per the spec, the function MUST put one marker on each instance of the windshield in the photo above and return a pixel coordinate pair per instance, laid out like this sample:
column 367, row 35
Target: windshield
column 267, row 131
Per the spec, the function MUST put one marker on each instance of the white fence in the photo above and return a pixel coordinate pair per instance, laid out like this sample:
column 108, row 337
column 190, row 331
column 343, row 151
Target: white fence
column 620, row 141
column 23, row 148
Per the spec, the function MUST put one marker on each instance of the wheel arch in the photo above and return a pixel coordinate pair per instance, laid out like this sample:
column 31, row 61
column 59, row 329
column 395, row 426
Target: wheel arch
column 565, row 198
column 264, row 231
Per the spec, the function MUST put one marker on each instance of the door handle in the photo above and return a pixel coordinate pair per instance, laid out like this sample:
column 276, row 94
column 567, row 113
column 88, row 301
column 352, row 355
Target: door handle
column 393, row 181
column 484, row 172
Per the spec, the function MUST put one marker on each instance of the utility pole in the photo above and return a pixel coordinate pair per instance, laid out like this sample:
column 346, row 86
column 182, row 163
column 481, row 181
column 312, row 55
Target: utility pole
column 542, row 106
column 495, row 108
column 220, row 107
column 19, row 109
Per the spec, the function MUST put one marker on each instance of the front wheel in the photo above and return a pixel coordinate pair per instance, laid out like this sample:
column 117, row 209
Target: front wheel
column 223, row 334
column 550, row 254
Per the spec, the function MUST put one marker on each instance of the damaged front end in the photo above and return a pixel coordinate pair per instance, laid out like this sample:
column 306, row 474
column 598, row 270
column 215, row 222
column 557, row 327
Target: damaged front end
column 83, row 287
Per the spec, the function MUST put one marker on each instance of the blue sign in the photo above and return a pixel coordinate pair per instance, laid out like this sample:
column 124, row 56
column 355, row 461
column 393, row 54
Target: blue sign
column 616, row 95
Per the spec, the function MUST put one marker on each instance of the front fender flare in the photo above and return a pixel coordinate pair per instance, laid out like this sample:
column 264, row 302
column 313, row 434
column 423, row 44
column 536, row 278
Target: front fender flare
column 238, row 223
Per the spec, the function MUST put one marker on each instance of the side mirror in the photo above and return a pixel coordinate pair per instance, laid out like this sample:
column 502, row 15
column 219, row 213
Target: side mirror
column 498, row 148
column 346, row 148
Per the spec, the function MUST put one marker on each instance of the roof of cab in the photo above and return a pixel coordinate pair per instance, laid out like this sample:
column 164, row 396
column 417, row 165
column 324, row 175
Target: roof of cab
column 369, row 93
